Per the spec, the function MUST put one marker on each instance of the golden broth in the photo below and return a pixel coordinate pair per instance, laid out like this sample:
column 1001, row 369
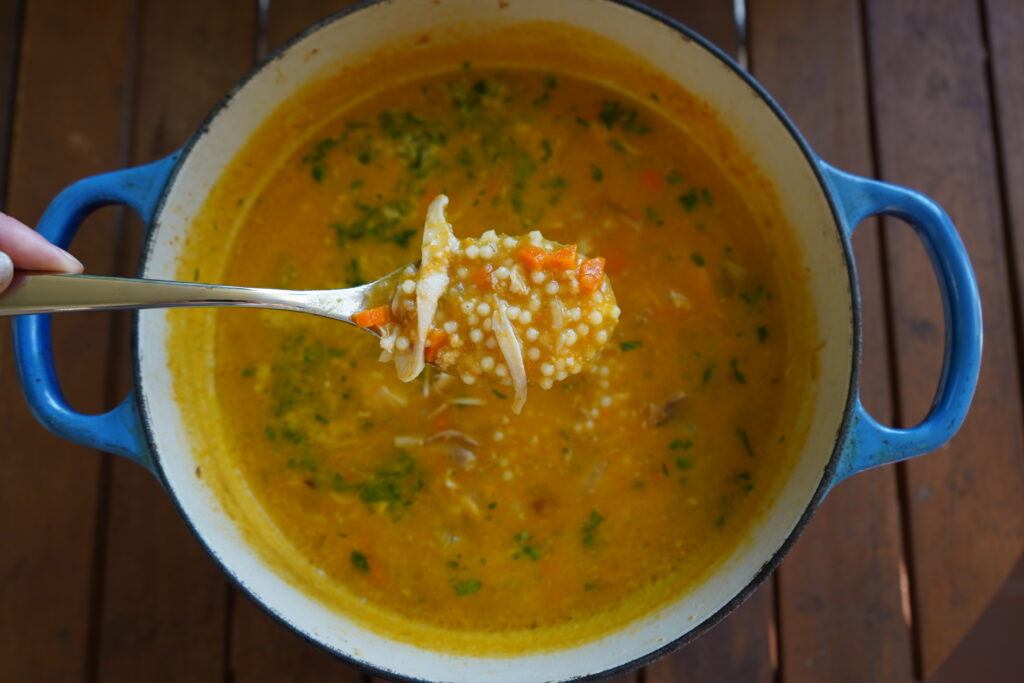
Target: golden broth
column 613, row 492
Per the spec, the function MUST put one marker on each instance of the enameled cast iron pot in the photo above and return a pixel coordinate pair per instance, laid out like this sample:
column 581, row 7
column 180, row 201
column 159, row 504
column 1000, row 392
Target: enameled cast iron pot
column 823, row 205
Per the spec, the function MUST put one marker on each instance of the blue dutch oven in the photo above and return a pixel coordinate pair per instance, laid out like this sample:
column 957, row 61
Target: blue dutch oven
column 822, row 204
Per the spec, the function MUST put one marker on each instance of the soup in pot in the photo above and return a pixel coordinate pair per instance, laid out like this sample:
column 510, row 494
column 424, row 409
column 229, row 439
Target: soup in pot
column 429, row 510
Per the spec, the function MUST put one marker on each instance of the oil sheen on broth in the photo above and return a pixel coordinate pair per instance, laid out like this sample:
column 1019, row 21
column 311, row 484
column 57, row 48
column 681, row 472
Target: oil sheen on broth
column 428, row 510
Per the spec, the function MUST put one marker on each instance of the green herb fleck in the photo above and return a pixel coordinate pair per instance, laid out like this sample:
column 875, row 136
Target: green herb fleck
column 248, row 371
column 698, row 259
column 589, row 531
column 744, row 481
column 754, row 297
column 498, row 394
column 631, row 345
column 292, row 435
column 689, row 200
column 684, row 463
column 316, row 158
column 354, row 277
column 583, row 122
column 596, row 174
column 674, row 177
column 614, row 113
column 550, row 82
column 384, row 223
column 466, row 586
column 705, row 196
column 762, row 334
column 359, row 561
column 525, row 549
column 745, row 440
column 548, row 149
column 394, row 483
column 680, row 444
column 706, row 376
column 653, row 216
column 740, row 377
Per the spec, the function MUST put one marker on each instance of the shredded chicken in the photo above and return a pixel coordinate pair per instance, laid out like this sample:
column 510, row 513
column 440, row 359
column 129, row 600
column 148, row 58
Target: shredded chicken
column 513, row 353
column 438, row 244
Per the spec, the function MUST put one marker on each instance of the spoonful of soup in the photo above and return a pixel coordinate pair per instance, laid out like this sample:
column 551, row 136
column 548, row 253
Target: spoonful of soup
column 498, row 309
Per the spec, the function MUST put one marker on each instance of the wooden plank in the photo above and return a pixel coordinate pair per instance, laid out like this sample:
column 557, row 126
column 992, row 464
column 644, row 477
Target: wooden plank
column 713, row 19
column 11, row 12
column 267, row 652
column 737, row 649
column 70, row 108
column 991, row 651
column 164, row 615
column 845, row 568
column 1004, row 21
column 934, row 132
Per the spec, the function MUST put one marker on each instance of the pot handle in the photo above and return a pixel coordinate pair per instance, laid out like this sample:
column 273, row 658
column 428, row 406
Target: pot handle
column 869, row 443
column 119, row 431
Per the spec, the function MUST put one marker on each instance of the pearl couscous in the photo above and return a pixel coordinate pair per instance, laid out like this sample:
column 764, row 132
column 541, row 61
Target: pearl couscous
column 499, row 309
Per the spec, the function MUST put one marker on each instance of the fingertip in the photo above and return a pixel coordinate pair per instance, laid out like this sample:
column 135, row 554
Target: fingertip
column 70, row 263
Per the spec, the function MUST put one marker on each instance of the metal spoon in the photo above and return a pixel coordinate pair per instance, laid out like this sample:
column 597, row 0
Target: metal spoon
column 66, row 293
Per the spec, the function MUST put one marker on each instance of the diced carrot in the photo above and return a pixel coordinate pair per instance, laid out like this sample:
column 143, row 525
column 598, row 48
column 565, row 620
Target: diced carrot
column 482, row 276
column 652, row 181
column 436, row 339
column 590, row 274
column 372, row 317
column 563, row 259
column 532, row 257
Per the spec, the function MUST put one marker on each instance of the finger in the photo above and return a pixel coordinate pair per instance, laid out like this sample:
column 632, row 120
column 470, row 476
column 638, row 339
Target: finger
column 29, row 250
column 6, row 271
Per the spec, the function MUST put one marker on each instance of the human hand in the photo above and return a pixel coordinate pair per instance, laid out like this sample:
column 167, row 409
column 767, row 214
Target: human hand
column 23, row 248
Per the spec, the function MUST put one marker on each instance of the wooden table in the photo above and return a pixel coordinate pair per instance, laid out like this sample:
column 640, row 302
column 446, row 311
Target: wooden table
column 101, row 581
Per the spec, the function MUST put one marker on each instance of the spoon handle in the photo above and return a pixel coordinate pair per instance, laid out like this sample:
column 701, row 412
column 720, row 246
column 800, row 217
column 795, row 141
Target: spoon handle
column 62, row 293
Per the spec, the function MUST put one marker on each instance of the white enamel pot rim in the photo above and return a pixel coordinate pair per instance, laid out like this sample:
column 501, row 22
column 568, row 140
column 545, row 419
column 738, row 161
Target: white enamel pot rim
column 146, row 427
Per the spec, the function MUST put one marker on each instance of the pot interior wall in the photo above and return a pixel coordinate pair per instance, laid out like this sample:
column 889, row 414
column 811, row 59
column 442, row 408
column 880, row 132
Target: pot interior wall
column 758, row 129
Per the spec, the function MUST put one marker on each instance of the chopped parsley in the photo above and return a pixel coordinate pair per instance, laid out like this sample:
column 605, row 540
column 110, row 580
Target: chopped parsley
column 359, row 561
column 466, row 586
column 745, row 440
column 596, row 174
column 525, row 548
column 689, row 200
column 631, row 345
column 384, row 223
column 614, row 113
column 354, row 277
column 698, row 259
column 317, row 157
column 588, row 534
column 762, row 334
column 740, row 377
